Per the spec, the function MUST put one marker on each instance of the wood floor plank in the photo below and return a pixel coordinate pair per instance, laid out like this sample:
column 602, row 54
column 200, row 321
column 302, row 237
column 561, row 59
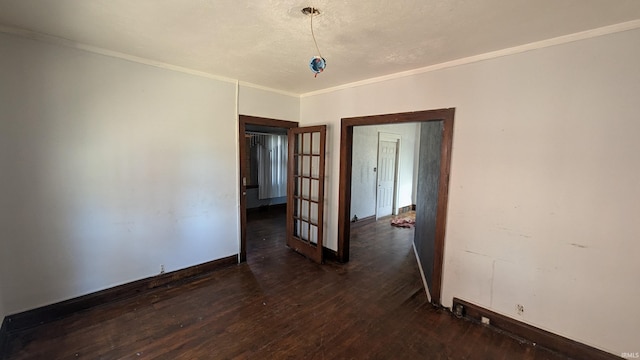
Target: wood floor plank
column 279, row 305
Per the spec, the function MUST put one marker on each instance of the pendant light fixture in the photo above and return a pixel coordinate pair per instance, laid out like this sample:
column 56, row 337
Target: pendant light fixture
column 317, row 63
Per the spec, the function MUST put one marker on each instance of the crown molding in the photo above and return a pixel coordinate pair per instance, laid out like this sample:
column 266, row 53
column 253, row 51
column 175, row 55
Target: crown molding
column 265, row 88
column 583, row 35
column 55, row 40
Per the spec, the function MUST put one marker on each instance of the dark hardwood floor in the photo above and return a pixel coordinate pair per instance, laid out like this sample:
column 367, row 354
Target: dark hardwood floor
column 279, row 305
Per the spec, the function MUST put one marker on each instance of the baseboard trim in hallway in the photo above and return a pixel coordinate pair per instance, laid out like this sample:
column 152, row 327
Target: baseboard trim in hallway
column 424, row 279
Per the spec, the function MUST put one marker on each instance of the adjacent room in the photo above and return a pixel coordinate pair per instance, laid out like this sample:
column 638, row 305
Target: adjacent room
column 138, row 217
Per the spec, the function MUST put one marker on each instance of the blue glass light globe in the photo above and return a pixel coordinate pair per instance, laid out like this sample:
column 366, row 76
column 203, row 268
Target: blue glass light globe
column 317, row 64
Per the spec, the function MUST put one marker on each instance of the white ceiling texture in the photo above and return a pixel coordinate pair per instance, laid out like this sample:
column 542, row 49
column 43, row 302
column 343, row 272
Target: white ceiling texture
column 268, row 42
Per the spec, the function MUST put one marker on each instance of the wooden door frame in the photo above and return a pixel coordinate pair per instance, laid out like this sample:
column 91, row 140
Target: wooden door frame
column 243, row 121
column 344, row 187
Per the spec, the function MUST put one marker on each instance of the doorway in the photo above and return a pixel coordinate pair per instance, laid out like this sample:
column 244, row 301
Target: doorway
column 245, row 122
column 445, row 117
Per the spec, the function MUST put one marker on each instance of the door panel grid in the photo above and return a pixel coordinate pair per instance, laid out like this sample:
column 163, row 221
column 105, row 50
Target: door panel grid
column 305, row 200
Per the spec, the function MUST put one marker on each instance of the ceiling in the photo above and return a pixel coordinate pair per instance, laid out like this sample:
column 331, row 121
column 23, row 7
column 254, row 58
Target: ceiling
column 268, row 42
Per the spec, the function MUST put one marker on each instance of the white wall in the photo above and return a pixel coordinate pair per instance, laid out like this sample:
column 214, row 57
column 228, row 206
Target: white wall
column 254, row 101
column 544, row 190
column 365, row 159
column 112, row 168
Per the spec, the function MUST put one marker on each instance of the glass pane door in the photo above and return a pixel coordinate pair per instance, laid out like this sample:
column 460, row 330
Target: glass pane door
column 306, row 191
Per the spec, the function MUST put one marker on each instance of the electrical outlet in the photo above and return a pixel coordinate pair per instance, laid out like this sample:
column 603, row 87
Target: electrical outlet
column 520, row 309
column 485, row 320
column 458, row 310
column 161, row 268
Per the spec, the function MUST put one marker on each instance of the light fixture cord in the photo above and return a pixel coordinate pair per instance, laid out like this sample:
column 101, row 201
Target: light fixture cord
column 313, row 10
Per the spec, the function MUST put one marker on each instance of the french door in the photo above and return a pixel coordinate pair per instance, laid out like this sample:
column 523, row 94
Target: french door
column 305, row 195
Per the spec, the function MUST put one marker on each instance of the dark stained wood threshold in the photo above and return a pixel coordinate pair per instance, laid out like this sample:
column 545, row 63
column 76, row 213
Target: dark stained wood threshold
column 49, row 313
column 531, row 334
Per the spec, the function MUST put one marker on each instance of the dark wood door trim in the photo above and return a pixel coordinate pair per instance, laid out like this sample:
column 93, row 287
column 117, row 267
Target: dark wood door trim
column 243, row 121
column 344, row 192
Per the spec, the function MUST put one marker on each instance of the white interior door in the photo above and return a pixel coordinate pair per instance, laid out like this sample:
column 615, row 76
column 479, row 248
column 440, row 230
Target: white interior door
column 387, row 161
